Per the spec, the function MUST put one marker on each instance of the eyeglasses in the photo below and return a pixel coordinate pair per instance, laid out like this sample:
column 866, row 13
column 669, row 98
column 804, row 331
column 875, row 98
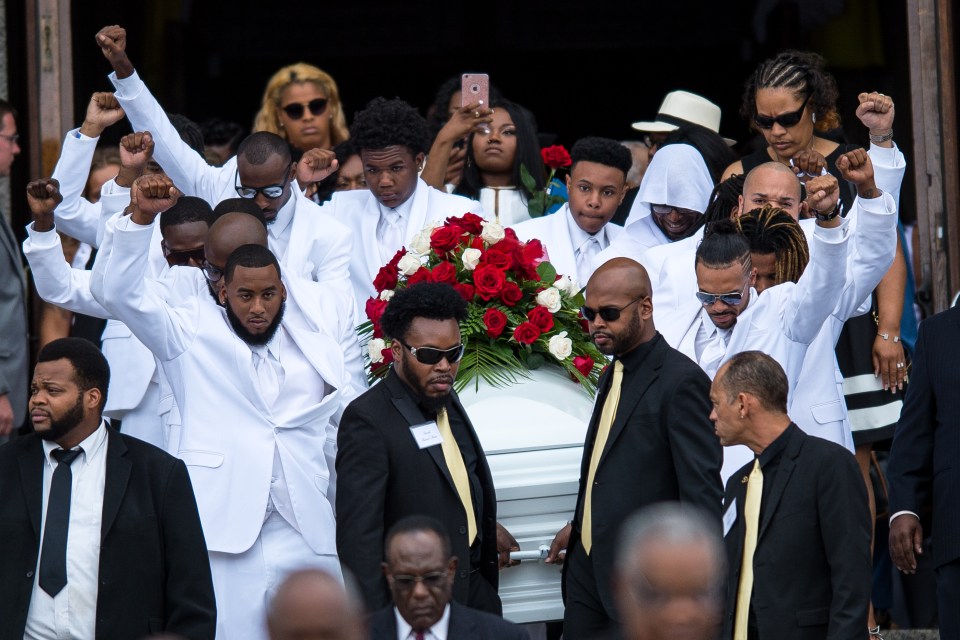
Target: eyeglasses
column 666, row 209
column 654, row 140
column 433, row 580
column 273, row 191
column 11, row 139
column 183, row 258
column 430, row 355
column 609, row 314
column 296, row 109
column 213, row 273
column 729, row 299
column 785, row 120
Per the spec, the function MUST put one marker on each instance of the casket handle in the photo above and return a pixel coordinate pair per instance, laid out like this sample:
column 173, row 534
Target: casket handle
column 539, row 554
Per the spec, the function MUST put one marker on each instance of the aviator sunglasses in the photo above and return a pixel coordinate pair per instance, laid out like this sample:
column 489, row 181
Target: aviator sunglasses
column 609, row 314
column 272, row 192
column 729, row 299
column 785, row 120
column 183, row 258
column 432, row 580
column 431, row 355
column 296, row 110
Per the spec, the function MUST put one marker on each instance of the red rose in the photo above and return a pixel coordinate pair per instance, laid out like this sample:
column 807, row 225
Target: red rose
column 387, row 359
column 496, row 322
column 507, row 245
column 510, row 234
column 466, row 291
column 444, row 272
column 488, row 281
column 395, row 260
column 386, row 278
column 555, row 157
column 422, row 275
column 475, row 243
column 375, row 308
column 511, row 294
column 584, row 365
column 446, row 238
column 497, row 258
column 530, row 254
column 541, row 317
column 469, row 222
column 526, row 333
column 584, row 325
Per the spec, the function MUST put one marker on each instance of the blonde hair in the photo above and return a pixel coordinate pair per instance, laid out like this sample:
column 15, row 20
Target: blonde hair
column 268, row 118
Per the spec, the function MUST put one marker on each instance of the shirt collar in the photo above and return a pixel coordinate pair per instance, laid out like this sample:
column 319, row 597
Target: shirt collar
column 579, row 236
column 775, row 448
column 285, row 214
column 635, row 357
column 272, row 347
column 91, row 446
column 439, row 630
column 403, row 209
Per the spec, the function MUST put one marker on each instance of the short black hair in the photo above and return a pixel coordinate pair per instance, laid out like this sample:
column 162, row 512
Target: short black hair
column 6, row 107
column 723, row 245
column 724, row 199
column 758, row 374
column 257, row 148
column 602, row 151
column 189, row 131
column 387, row 123
column 252, row 256
column 187, row 209
column 217, row 131
column 92, row 370
column 431, row 300
column 414, row 524
column 237, row 205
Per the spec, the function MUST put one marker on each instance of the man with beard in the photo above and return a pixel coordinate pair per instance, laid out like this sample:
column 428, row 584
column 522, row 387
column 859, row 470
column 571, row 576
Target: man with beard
column 407, row 447
column 649, row 440
column 259, row 392
column 103, row 527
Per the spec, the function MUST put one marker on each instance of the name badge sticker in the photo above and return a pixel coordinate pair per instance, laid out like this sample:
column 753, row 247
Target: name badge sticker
column 729, row 517
column 426, row 435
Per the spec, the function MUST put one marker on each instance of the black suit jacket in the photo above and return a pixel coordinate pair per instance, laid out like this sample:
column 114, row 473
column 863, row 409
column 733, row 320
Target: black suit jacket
column 812, row 566
column 465, row 624
column 154, row 569
column 383, row 476
column 661, row 447
column 924, row 460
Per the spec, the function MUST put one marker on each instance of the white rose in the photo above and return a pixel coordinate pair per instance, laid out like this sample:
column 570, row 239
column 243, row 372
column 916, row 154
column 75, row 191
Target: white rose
column 420, row 243
column 430, row 226
column 561, row 347
column 376, row 346
column 471, row 258
column 567, row 285
column 386, row 294
column 409, row 264
column 550, row 298
column 492, row 232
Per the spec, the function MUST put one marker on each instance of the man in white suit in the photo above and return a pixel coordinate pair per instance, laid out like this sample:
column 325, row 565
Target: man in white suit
column 257, row 388
column 581, row 229
column 392, row 138
column 300, row 236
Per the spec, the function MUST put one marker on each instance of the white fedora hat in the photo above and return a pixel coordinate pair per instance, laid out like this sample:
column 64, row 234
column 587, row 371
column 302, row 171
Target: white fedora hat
column 680, row 108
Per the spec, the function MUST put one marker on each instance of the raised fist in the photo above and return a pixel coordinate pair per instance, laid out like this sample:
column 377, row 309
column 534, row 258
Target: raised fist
column 808, row 164
column 823, row 194
column 102, row 111
column 43, row 196
column 855, row 167
column 151, row 195
column 876, row 112
column 316, row 165
column 136, row 150
column 112, row 41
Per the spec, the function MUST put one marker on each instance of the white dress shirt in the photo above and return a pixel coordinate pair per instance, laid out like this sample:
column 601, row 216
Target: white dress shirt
column 710, row 344
column 586, row 247
column 391, row 227
column 72, row 613
column 277, row 230
column 436, row 632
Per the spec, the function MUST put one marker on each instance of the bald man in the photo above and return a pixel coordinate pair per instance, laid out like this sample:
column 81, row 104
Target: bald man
column 314, row 604
column 658, row 446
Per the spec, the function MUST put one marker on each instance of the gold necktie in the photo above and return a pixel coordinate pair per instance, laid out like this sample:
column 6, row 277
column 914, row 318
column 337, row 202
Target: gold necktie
column 458, row 471
column 751, row 521
column 603, row 431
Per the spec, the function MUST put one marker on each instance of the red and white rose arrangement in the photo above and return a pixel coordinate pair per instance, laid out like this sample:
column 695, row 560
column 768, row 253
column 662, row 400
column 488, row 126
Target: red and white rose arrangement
column 520, row 313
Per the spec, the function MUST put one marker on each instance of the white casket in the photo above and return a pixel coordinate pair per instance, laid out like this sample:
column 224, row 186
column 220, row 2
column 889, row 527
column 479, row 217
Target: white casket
column 532, row 433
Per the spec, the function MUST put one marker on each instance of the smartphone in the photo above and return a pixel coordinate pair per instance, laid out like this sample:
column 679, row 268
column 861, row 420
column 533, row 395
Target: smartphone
column 474, row 87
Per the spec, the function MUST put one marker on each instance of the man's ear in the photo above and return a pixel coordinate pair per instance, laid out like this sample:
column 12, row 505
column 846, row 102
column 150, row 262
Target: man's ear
column 753, row 276
column 804, row 210
column 293, row 171
column 222, row 293
column 418, row 160
column 92, row 398
column 386, row 569
column 739, row 210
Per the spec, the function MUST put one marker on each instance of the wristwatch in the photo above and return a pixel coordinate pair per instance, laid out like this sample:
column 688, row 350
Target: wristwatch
column 826, row 217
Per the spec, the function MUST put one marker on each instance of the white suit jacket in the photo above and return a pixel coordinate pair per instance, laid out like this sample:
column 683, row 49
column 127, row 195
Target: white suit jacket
column 229, row 436
column 360, row 210
column 555, row 232
column 322, row 245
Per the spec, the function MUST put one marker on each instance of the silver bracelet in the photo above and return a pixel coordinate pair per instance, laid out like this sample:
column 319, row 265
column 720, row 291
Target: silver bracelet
column 886, row 137
column 886, row 336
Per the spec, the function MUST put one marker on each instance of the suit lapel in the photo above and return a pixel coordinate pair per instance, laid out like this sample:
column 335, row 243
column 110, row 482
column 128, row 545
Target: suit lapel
column 461, row 626
column 631, row 395
column 367, row 238
column 31, row 480
column 115, row 483
column 787, row 465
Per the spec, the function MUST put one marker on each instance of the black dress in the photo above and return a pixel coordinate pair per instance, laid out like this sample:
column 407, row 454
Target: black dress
column 873, row 412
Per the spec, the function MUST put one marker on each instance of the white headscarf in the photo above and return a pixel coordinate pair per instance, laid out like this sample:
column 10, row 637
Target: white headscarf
column 677, row 176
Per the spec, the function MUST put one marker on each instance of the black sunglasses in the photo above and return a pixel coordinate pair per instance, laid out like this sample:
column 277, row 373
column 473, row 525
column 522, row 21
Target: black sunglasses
column 212, row 272
column 785, row 120
column 183, row 258
column 431, row 355
column 729, row 299
column 609, row 314
column 433, row 580
column 296, row 109
column 273, row 191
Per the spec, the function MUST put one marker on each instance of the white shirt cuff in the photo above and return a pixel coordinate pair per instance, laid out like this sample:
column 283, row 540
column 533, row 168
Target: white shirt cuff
column 129, row 87
column 75, row 133
column 901, row 513
column 42, row 239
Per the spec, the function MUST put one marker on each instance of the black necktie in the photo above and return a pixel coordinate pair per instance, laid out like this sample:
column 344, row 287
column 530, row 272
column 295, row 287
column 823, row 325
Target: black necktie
column 53, row 555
